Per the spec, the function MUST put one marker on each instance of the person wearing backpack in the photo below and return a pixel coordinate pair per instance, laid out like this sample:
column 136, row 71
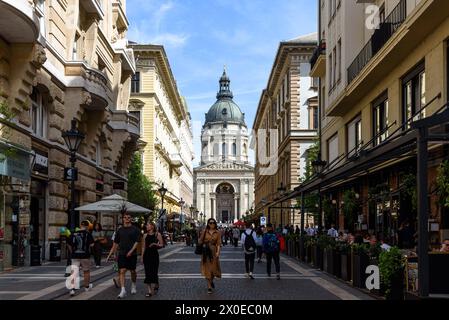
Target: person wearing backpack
column 80, row 245
column 249, row 238
column 271, row 247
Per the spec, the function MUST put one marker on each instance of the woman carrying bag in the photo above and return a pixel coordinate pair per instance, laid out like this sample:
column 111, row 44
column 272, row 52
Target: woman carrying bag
column 210, row 261
column 150, row 258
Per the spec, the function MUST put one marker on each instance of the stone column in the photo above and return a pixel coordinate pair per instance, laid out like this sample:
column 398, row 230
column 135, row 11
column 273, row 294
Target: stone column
column 242, row 196
column 236, row 206
column 207, row 209
column 212, row 212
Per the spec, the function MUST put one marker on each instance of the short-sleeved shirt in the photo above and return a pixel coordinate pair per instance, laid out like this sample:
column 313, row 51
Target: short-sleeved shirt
column 80, row 242
column 126, row 237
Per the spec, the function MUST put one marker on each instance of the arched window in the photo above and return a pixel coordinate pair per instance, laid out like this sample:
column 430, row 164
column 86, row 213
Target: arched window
column 234, row 149
column 216, row 146
column 223, row 149
column 38, row 114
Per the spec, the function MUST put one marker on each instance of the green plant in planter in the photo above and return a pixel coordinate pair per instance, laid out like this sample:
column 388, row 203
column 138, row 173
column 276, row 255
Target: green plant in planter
column 443, row 184
column 310, row 241
column 343, row 247
column 350, row 206
column 408, row 182
column 374, row 251
column 326, row 242
column 360, row 248
column 391, row 266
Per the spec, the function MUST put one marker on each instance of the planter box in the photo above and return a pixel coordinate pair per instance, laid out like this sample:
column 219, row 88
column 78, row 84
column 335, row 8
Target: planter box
column 359, row 264
column 337, row 264
column 317, row 254
column 309, row 255
column 439, row 277
column 346, row 267
column 302, row 251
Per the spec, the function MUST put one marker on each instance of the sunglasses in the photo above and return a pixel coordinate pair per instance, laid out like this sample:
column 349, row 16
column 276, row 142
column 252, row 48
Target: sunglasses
column 212, row 223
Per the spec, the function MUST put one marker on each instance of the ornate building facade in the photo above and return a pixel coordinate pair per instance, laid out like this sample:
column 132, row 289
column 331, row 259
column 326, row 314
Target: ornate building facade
column 224, row 182
column 166, row 128
column 288, row 114
column 60, row 60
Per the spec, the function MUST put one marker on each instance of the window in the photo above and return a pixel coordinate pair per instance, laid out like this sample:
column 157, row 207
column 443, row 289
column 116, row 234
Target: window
column 334, row 75
column 414, row 95
column 137, row 115
column 234, row 149
column 331, row 72
column 223, row 149
column 380, row 119
column 98, row 153
column 287, row 89
column 332, row 148
column 38, row 114
column 313, row 118
column 135, row 83
column 354, row 134
column 339, row 60
column 40, row 12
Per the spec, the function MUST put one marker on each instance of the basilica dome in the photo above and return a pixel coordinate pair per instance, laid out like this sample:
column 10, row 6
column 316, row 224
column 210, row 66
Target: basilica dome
column 225, row 109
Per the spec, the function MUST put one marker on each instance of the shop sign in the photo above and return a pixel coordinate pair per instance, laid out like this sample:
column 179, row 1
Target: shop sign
column 41, row 163
column 16, row 165
column 24, row 219
column 118, row 185
column 2, row 233
column 263, row 221
column 70, row 174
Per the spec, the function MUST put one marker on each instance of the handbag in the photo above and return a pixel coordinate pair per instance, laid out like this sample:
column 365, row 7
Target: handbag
column 200, row 248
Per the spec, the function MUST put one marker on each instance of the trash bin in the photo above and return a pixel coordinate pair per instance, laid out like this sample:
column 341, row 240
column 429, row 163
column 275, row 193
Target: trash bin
column 35, row 255
column 55, row 252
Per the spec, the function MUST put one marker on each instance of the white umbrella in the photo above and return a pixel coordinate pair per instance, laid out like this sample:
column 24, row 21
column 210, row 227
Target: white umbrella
column 113, row 204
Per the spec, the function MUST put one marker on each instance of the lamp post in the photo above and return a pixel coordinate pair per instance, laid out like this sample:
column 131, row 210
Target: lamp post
column 318, row 167
column 162, row 191
column 73, row 139
column 281, row 191
column 181, row 204
column 201, row 219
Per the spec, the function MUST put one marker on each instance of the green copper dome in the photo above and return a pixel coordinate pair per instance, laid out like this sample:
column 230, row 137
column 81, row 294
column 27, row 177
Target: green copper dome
column 225, row 109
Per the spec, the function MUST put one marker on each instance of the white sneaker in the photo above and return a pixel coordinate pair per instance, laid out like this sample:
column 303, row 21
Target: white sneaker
column 87, row 289
column 121, row 295
column 133, row 289
column 72, row 292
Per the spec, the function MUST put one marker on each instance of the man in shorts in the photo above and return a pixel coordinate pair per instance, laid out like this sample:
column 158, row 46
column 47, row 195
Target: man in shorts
column 126, row 240
column 80, row 244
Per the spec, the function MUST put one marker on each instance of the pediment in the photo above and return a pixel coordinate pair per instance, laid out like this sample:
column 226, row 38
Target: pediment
column 225, row 166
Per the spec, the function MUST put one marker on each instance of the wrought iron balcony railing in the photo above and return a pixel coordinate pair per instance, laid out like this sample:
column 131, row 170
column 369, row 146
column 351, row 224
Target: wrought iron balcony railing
column 378, row 40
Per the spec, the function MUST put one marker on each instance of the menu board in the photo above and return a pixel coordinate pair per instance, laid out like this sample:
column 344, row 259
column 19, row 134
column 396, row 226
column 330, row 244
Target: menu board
column 411, row 270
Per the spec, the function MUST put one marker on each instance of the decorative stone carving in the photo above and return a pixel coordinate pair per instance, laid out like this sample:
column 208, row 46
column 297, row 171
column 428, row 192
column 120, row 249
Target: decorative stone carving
column 39, row 56
column 87, row 98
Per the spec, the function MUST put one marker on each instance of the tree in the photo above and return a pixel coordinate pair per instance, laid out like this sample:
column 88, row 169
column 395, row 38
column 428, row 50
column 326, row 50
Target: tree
column 140, row 188
column 312, row 155
column 6, row 116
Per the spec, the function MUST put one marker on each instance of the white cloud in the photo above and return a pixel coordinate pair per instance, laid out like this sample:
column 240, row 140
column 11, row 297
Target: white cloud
column 171, row 40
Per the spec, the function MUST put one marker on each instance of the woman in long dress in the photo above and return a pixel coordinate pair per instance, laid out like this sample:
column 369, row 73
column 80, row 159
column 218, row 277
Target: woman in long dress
column 210, row 261
column 150, row 258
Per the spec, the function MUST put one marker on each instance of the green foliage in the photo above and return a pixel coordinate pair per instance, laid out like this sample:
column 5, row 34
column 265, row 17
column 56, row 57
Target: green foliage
column 6, row 115
column 408, row 182
column 443, row 184
column 391, row 266
column 329, row 215
column 310, row 241
column 360, row 249
column 343, row 247
column 326, row 242
column 310, row 205
column 312, row 153
column 379, row 192
column 140, row 188
column 350, row 206
column 374, row 250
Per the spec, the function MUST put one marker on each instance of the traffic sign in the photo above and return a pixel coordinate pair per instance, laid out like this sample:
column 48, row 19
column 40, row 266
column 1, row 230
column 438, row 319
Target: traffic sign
column 263, row 221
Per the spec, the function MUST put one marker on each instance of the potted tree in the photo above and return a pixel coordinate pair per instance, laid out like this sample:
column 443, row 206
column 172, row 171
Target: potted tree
column 360, row 261
column 391, row 266
column 345, row 261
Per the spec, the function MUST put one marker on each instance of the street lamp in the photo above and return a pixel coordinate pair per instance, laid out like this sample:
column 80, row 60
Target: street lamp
column 318, row 167
column 162, row 191
column 181, row 204
column 73, row 139
column 281, row 191
column 201, row 218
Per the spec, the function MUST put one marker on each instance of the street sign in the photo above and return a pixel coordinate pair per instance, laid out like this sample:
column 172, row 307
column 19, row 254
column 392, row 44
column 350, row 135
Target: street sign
column 70, row 174
column 263, row 221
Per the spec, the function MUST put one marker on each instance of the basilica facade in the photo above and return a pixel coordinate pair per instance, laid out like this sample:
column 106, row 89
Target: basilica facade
column 224, row 181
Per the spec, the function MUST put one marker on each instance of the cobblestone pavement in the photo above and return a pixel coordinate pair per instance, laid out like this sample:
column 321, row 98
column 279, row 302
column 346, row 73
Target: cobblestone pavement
column 180, row 279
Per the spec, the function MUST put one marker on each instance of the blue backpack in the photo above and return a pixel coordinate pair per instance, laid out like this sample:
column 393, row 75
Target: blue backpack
column 271, row 243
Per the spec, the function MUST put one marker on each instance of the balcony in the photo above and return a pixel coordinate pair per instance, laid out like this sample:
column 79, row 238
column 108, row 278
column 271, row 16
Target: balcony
column 93, row 7
column 124, row 121
column 318, row 61
column 127, row 55
column 18, row 21
column 380, row 37
column 119, row 15
column 175, row 160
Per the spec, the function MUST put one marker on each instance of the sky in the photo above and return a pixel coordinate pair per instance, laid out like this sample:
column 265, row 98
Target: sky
column 202, row 36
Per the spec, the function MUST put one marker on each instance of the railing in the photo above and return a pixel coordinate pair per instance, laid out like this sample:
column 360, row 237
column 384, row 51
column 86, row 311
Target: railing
column 319, row 50
column 378, row 40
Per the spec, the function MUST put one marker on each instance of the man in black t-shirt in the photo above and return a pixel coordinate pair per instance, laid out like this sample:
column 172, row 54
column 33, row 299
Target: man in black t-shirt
column 126, row 239
column 80, row 243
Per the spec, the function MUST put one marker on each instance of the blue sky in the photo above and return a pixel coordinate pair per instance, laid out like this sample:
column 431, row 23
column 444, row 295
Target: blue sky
column 201, row 36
